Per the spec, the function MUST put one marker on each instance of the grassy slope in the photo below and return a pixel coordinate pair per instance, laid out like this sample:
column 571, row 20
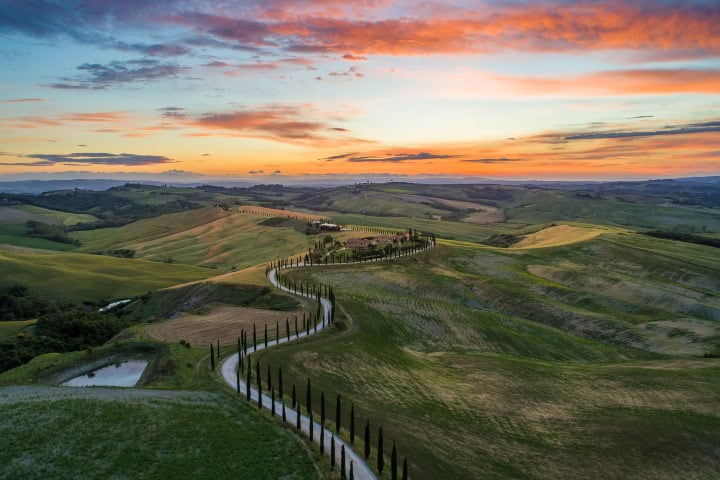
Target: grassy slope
column 14, row 234
column 199, row 435
column 64, row 218
column 10, row 328
column 75, row 276
column 522, row 206
column 208, row 237
column 215, row 438
column 471, row 383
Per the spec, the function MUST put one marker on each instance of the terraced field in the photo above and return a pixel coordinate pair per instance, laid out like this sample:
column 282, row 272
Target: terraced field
column 496, row 372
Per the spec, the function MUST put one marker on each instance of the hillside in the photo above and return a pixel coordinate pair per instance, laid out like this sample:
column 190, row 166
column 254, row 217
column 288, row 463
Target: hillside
column 208, row 237
column 80, row 277
column 512, row 360
column 544, row 337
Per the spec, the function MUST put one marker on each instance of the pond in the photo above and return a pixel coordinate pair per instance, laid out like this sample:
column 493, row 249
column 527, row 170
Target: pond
column 122, row 374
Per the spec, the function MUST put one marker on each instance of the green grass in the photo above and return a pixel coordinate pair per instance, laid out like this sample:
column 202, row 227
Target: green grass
column 210, row 438
column 54, row 216
column 494, row 372
column 198, row 429
column 8, row 329
column 75, row 276
column 14, row 234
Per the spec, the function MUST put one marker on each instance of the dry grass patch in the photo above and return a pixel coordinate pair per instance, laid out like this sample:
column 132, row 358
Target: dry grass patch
column 223, row 322
column 559, row 235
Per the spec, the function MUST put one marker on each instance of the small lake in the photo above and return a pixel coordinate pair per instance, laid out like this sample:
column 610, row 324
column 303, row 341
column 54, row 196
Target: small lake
column 122, row 374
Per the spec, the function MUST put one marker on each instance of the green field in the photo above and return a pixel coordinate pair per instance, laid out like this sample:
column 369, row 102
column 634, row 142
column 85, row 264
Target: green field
column 496, row 372
column 195, row 436
column 14, row 234
column 23, row 213
column 76, row 276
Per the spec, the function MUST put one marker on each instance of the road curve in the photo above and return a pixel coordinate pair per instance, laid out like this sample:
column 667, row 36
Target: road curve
column 361, row 471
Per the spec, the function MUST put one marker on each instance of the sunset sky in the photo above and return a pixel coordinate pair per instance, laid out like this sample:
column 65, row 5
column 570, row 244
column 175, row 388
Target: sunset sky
column 506, row 89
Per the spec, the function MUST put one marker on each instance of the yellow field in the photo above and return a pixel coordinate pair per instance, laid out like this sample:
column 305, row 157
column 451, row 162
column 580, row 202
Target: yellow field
column 559, row 235
column 223, row 323
column 274, row 212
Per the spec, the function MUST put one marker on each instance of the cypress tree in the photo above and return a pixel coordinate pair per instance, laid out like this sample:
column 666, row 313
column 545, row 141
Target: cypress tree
column 322, row 422
column 266, row 335
column 287, row 328
column 380, row 456
column 393, row 463
column 249, row 380
column 254, row 338
column 312, row 426
column 212, row 357
column 352, row 474
column 280, row 383
column 405, row 470
column 294, row 397
column 308, row 399
column 283, row 410
column 277, row 332
column 342, row 461
column 367, row 440
column 352, row 423
column 237, row 375
column 332, row 454
column 218, row 349
column 296, row 329
column 337, row 415
column 272, row 401
column 259, row 383
column 269, row 377
column 297, row 418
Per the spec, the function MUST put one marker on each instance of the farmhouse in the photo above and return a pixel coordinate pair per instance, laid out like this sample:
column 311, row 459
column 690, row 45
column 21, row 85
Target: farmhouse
column 355, row 243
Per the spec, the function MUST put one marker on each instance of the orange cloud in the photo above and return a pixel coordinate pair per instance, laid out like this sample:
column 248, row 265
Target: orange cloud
column 557, row 26
column 622, row 82
column 281, row 123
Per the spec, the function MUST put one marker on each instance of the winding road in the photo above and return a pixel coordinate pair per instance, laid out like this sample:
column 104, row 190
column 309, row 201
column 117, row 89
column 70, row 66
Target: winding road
column 361, row 471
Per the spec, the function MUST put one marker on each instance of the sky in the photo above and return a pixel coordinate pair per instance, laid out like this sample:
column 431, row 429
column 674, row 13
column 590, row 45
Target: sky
column 516, row 89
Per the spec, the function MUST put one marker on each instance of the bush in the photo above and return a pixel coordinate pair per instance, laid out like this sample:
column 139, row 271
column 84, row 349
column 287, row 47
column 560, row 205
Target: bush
column 341, row 324
column 16, row 303
column 503, row 240
column 54, row 233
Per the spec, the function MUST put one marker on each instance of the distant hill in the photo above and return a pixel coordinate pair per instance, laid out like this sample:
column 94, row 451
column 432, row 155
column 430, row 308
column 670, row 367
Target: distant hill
column 36, row 187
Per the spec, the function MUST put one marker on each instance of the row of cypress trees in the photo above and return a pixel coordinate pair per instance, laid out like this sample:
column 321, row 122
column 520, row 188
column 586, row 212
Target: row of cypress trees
column 244, row 365
column 296, row 405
